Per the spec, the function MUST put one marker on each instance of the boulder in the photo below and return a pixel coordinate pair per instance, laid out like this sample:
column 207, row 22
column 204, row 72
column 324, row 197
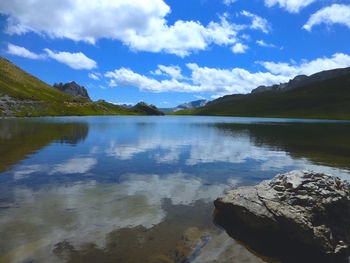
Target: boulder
column 308, row 210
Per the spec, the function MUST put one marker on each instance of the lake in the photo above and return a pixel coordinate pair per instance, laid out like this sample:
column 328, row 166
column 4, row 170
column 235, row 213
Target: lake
column 141, row 189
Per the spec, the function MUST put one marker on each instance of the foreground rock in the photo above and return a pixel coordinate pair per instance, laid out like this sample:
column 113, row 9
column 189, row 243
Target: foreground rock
column 300, row 213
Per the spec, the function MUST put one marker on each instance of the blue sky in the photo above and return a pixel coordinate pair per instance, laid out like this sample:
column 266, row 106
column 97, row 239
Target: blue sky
column 170, row 52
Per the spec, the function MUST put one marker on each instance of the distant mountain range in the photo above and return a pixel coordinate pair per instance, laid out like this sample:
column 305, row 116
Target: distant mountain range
column 324, row 95
column 186, row 106
column 22, row 94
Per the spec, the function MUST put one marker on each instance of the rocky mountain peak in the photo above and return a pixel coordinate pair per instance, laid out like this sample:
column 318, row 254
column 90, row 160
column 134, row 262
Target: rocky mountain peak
column 73, row 89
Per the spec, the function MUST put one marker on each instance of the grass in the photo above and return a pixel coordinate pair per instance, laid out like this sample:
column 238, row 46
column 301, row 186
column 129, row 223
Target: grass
column 323, row 100
column 34, row 97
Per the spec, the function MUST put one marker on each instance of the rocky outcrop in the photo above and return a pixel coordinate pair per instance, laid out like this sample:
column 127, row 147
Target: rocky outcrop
column 309, row 210
column 72, row 88
column 10, row 106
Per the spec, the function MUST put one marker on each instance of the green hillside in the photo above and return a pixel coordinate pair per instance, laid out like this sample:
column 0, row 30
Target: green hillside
column 22, row 94
column 326, row 99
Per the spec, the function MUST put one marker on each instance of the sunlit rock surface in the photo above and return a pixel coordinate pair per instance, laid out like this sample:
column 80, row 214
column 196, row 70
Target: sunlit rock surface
column 307, row 209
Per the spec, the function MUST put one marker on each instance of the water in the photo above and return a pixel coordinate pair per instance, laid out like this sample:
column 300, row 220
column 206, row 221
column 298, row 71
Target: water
column 141, row 189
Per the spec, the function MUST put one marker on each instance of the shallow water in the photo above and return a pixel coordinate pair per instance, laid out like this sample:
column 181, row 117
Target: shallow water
column 141, row 189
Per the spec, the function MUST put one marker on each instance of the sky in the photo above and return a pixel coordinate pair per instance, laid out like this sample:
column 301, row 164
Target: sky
column 167, row 52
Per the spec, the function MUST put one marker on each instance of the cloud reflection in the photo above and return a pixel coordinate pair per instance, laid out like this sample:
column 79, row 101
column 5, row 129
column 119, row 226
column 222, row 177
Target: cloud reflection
column 87, row 212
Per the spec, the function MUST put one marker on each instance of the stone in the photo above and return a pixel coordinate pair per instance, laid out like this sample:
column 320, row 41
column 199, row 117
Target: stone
column 193, row 239
column 73, row 89
column 308, row 209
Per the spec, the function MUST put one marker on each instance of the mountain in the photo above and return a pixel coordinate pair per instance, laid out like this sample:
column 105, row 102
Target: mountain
column 143, row 107
column 22, row 94
column 324, row 95
column 73, row 89
column 186, row 106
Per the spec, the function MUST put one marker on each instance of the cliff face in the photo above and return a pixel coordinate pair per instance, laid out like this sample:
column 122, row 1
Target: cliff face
column 73, row 89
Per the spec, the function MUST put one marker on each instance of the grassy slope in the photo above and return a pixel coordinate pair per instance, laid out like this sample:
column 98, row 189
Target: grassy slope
column 324, row 100
column 48, row 101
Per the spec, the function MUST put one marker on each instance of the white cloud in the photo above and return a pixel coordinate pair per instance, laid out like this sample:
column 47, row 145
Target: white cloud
column 73, row 60
column 199, row 97
column 139, row 24
column 334, row 14
column 203, row 79
column 229, row 81
column 262, row 43
column 258, row 23
column 338, row 60
column 77, row 165
column 226, row 81
column 94, row 76
column 22, row 52
column 171, row 71
column 292, row 6
column 239, row 48
column 229, row 2
column 127, row 77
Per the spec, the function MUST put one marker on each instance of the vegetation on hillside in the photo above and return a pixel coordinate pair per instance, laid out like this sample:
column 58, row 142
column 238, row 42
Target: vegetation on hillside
column 328, row 99
column 22, row 94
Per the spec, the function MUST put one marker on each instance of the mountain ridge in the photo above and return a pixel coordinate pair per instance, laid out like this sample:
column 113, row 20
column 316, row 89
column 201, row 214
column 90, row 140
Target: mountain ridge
column 23, row 95
column 324, row 95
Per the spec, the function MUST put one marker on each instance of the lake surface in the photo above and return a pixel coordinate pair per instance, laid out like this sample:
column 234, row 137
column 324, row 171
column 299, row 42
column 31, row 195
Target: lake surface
column 141, row 189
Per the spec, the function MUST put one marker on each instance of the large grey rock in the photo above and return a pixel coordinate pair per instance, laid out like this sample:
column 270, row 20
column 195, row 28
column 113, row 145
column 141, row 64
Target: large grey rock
column 309, row 208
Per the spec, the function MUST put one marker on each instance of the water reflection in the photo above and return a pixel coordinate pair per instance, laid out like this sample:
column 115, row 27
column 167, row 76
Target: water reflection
column 21, row 137
column 129, row 189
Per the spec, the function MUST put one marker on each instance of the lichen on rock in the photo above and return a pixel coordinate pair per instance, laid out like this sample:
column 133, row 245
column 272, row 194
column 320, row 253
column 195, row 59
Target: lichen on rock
column 308, row 208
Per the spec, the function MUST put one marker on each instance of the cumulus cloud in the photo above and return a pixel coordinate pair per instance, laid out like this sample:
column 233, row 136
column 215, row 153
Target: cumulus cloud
column 225, row 81
column 229, row 2
column 292, row 6
column 139, row 24
column 334, row 14
column 73, row 60
column 94, row 76
column 171, row 71
column 262, row 43
column 203, row 79
column 239, row 48
column 127, row 77
column 338, row 60
column 258, row 23
column 22, row 52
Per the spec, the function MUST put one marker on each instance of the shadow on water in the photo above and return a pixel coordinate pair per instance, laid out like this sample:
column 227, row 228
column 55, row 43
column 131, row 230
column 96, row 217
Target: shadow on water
column 271, row 247
column 321, row 143
column 21, row 137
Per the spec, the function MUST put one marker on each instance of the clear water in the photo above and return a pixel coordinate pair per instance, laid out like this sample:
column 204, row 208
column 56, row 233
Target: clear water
column 141, row 189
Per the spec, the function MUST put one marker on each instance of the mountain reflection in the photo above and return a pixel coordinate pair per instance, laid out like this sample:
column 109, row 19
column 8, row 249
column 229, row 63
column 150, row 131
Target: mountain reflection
column 21, row 137
column 326, row 143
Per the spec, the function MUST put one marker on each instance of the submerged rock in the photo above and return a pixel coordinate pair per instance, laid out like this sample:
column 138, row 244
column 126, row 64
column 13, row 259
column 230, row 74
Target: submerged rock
column 193, row 239
column 306, row 210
